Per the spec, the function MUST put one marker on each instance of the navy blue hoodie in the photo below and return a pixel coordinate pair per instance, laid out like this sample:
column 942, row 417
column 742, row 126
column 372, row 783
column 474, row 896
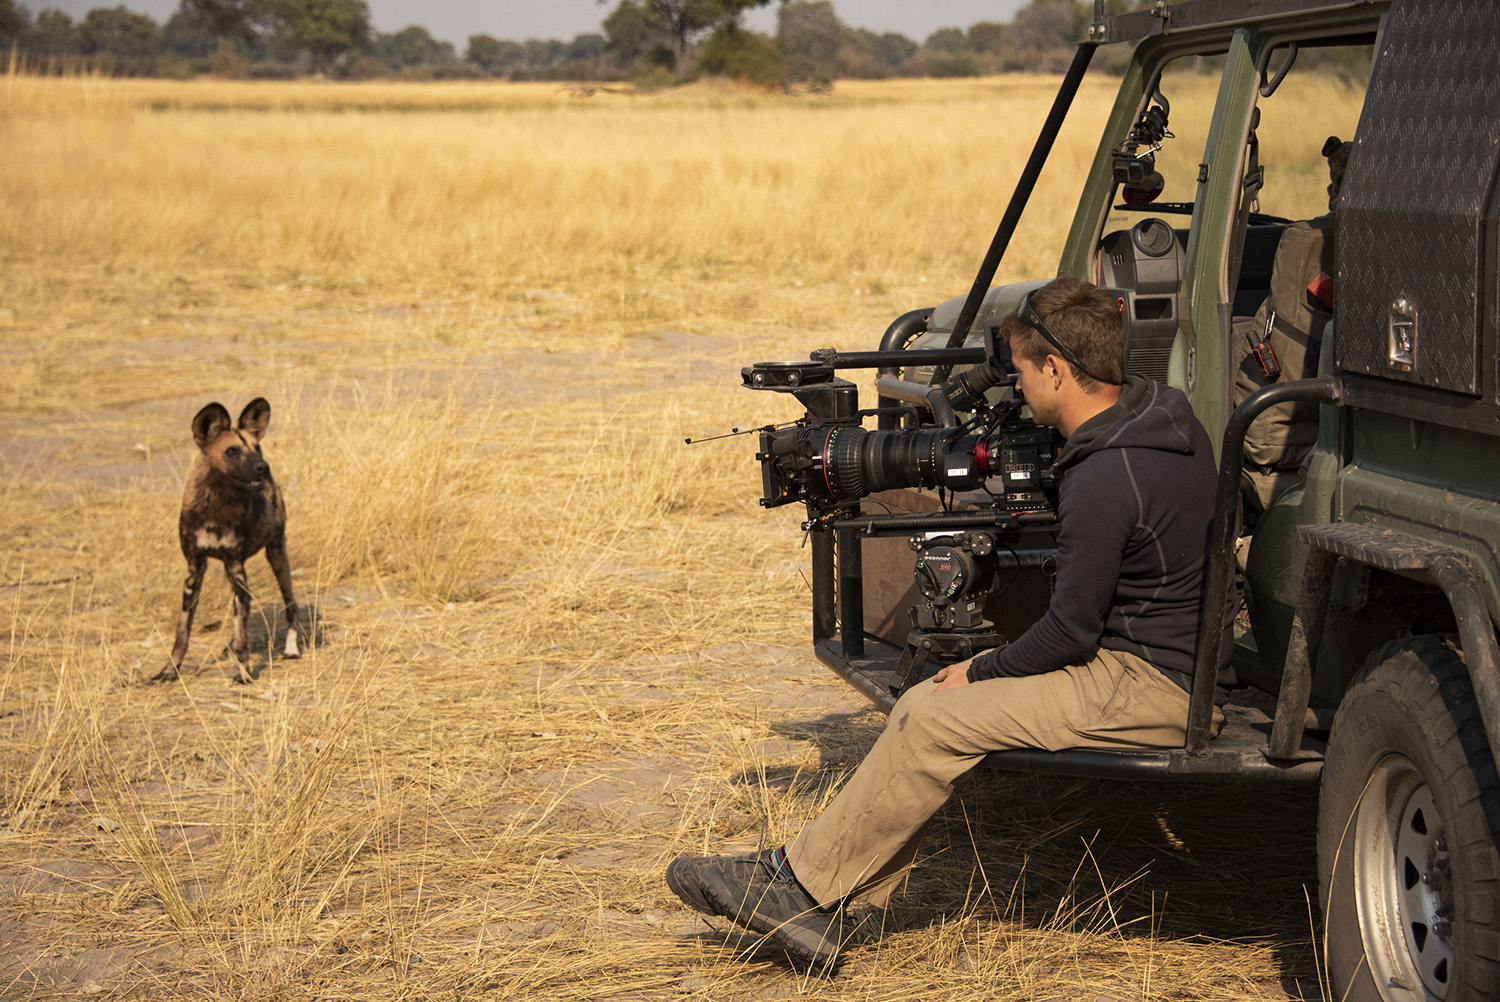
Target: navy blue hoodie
column 1134, row 508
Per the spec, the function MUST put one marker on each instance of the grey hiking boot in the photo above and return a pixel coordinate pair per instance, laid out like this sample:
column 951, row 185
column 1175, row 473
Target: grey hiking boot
column 752, row 892
column 685, row 878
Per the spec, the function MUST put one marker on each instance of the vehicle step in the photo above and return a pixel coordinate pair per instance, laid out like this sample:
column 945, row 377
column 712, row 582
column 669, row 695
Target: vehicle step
column 1238, row 751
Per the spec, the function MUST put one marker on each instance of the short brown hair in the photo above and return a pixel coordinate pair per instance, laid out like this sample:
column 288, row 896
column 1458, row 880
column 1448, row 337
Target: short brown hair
column 1081, row 316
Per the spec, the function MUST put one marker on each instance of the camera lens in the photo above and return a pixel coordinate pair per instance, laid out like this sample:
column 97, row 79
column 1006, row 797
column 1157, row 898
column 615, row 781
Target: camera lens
column 856, row 462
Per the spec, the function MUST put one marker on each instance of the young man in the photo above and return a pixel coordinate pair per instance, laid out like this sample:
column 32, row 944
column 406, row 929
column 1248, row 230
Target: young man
column 1108, row 665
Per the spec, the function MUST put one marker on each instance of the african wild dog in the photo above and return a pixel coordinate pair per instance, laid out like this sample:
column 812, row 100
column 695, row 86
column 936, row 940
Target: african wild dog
column 231, row 509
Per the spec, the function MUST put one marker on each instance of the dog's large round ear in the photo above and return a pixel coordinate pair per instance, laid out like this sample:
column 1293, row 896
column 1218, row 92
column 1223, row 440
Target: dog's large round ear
column 255, row 417
column 209, row 423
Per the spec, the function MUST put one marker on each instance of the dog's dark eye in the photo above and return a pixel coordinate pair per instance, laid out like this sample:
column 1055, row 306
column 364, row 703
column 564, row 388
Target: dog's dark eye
column 233, row 450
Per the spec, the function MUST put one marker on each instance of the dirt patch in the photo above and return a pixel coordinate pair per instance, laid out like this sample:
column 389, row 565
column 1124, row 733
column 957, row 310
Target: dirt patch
column 147, row 444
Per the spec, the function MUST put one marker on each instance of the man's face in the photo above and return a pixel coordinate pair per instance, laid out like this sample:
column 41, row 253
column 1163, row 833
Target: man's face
column 1037, row 386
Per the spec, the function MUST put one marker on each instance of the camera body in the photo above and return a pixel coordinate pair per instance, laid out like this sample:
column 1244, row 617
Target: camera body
column 826, row 465
column 828, row 459
column 978, row 561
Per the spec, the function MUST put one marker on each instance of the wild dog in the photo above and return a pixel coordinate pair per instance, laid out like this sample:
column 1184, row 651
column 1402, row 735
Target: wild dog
column 231, row 510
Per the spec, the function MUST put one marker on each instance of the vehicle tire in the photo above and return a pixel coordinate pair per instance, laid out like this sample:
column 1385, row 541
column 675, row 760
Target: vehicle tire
column 1408, row 869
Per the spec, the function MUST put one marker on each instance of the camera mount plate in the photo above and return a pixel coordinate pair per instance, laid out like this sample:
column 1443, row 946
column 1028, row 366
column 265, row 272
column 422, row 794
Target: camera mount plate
column 786, row 376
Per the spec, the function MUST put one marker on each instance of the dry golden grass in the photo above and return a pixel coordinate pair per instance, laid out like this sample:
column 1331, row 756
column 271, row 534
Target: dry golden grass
column 555, row 646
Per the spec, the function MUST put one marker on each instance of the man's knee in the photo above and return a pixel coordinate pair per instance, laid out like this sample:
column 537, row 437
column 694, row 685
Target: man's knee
column 918, row 715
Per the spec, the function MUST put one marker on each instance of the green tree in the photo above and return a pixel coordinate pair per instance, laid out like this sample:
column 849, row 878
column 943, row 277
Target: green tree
column 633, row 26
column 1044, row 26
column 988, row 36
column 53, row 34
column 327, row 30
column 684, row 21
column 743, row 55
column 232, row 19
column 411, row 46
column 15, row 21
column 951, row 40
column 732, row 11
column 544, row 53
column 494, row 55
column 115, row 31
column 586, row 47
column 809, row 34
column 189, row 33
column 635, row 34
column 893, row 48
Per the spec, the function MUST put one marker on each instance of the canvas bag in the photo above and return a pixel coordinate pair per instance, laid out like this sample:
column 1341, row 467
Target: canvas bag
column 1291, row 320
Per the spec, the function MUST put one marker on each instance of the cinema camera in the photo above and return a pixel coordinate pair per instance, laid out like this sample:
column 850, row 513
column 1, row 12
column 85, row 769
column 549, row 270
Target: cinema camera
column 969, row 438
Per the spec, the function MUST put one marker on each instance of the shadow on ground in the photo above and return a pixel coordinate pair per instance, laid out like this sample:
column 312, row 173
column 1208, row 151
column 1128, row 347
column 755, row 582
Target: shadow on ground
column 1229, row 861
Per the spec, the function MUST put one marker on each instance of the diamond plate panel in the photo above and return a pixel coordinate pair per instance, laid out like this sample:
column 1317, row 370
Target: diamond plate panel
column 1410, row 218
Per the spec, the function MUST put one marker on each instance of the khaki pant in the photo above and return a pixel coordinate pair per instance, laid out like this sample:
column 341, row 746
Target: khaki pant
column 862, row 844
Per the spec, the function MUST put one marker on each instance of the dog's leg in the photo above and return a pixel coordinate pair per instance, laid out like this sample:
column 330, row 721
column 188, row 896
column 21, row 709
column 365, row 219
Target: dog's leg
column 192, row 587
column 276, row 555
column 234, row 570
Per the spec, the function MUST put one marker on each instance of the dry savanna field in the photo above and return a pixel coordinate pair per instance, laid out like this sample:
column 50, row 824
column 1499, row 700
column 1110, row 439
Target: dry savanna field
column 555, row 646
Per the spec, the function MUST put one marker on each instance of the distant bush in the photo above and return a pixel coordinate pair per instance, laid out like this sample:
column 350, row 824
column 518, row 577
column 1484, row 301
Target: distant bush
column 937, row 63
column 272, row 70
column 227, row 63
column 366, row 68
column 649, row 76
column 742, row 55
column 441, row 71
column 172, row 68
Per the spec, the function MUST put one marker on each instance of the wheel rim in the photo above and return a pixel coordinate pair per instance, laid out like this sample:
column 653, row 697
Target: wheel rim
column 1402, row 885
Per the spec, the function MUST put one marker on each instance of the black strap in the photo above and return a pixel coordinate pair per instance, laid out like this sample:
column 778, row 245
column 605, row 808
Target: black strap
column 1312, row 336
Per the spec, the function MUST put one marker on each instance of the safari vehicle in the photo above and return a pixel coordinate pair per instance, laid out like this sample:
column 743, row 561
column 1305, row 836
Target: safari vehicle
column 1356, row 539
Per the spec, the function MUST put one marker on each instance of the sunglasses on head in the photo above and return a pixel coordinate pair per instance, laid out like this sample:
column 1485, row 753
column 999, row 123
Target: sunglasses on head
column 1027, row 315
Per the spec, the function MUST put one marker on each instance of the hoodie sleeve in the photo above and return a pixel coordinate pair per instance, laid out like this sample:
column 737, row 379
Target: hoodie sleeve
column 1096, row 521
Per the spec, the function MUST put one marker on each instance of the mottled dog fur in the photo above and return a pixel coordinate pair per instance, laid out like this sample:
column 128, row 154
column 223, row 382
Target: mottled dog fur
column 231, row 510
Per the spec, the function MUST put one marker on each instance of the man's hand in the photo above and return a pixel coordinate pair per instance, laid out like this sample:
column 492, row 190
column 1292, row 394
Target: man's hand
column 952, row 676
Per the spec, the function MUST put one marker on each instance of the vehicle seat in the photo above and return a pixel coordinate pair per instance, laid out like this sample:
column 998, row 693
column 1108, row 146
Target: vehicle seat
column 1142, row 268
column 1290, row 322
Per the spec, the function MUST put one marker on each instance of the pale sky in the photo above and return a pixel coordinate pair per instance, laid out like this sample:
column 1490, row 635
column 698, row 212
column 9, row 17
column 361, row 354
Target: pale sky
column 456, row 20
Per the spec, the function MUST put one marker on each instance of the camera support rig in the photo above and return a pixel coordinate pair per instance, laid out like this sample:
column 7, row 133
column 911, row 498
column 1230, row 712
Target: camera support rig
column 996, row 468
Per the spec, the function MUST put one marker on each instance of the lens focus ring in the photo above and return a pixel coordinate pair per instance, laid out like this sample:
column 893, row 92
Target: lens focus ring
column 842, row 469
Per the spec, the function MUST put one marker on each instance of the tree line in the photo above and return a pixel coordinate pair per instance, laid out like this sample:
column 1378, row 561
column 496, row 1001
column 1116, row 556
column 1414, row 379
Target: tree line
column 226, row 37
column 655, row 42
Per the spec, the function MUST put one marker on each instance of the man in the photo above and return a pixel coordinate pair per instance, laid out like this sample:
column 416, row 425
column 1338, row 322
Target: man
column 1108, row 665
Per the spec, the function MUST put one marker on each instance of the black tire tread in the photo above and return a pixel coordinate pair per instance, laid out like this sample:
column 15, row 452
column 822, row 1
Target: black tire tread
column 1425, row 674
